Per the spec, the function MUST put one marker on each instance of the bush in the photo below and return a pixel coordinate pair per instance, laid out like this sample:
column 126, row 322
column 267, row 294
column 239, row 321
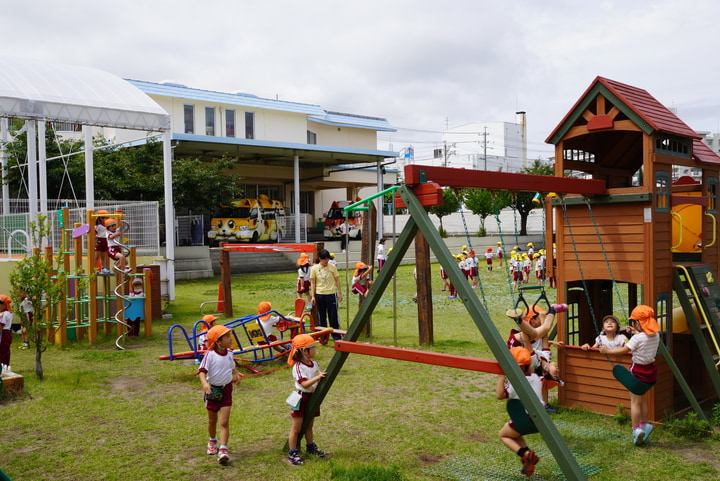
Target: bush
column 482, row 232
column 690, row 427
column 715, row 415
column 621, row 416
column 443, row 233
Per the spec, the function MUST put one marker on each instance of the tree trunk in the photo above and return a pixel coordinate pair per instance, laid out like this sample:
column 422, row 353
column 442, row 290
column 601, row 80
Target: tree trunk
column 38, row 363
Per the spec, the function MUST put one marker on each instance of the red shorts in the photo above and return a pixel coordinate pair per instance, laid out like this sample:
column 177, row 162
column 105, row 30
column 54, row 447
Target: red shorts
column 443, row 274
column 302, row 286
column 499, row 255
column 225, row 401
column 300, row 413
column 473, row 272
column 101, row 244
column 358, row 288
column 489, row 261
column 646, row 373
column 114, row 251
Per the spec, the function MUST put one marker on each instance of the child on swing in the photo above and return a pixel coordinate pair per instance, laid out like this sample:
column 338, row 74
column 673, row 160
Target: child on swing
column 643, row 345
column 307, row 374
column 610, row 337
column 508, row 434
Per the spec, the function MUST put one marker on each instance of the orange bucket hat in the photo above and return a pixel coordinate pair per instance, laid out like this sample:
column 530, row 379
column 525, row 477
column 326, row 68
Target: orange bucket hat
column 6, row 300
column 358, row 267
column 215, row 333
column 301, row 341
column 303, row 259
column 264, row 307
column 521, row 355
column 645, row 315
column 531, row 312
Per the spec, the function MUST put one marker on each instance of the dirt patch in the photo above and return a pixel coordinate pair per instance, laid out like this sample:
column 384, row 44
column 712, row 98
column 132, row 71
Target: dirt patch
column 429, row 459
column 696, row 454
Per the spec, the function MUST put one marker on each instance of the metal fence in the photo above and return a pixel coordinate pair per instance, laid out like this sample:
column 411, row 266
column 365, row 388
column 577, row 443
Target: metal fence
column 143, row 218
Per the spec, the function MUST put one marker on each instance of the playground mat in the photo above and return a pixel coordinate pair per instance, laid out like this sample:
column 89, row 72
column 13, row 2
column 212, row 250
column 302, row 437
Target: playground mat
column 497, row 463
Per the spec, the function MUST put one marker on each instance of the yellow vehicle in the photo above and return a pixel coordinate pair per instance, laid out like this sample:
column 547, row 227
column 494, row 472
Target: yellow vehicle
column 249, row 220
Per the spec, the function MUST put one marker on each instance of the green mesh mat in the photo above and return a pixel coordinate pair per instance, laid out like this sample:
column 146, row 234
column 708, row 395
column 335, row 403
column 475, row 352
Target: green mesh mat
column 496, row 462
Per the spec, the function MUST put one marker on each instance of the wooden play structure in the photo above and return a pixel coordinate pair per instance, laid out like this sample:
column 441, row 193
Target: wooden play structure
column 634, row 244
column 92, row 303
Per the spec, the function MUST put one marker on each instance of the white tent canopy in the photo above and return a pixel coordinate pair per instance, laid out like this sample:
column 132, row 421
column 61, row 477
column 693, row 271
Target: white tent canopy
column 38, row 92
column 64, row 93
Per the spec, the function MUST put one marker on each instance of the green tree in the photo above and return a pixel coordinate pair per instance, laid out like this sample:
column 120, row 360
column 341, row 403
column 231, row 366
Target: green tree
column 484, row 202
column 522, row 201
column 450, row 204
column 32, row 278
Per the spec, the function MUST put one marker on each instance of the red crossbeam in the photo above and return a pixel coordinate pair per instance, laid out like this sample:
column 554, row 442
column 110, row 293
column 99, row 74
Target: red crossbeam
column 268, row 248
column 485, row 179
column 424, row 357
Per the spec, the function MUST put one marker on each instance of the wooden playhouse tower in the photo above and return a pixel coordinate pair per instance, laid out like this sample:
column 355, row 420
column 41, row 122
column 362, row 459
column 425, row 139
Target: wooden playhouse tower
column 622, row 249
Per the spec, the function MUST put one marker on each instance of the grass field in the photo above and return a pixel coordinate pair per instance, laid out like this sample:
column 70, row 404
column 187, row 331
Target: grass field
column 105, row 414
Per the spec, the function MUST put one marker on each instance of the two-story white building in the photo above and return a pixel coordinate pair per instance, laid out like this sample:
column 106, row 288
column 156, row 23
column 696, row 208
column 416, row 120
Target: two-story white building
column 297, row 153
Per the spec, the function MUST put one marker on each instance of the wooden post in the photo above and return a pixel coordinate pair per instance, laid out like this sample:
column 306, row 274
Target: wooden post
column 147, row 290
column 424, row 291
column 225, row 278
column 93, row 287
column 367, row 250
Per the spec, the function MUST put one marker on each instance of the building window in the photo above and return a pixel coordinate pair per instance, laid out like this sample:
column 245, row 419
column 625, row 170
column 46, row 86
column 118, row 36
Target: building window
column 209, row 120
column 712, row 195
column 669, row 144
column 662, row 191
column 311, row 138
column 249, row 125
column 189, row 119
column 229, row 123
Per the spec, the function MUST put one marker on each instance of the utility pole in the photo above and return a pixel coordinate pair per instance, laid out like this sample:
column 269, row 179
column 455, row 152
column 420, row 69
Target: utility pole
column 485, row 145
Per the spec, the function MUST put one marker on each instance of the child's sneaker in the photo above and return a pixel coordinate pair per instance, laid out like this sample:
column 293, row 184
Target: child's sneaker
column 550, row 409
column 223, row 457
column 515, row 314
column 212, row 447
column 647, row 430
column 313, row 449
column 294, row 457
column 638, row 436
column 558, row 308
column 529, row 460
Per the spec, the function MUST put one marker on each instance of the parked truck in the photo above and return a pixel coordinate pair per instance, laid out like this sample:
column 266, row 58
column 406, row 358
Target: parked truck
column 335, row 217
column 249, row 220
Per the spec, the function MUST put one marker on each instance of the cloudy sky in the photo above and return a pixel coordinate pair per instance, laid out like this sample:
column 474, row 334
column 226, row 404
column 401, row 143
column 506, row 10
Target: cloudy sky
column 423, row 65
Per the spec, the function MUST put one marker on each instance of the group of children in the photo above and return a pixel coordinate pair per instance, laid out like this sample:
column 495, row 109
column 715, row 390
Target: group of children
column 529, row 347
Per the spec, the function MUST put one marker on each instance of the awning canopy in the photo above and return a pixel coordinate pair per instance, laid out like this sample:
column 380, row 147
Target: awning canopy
column 67, row 93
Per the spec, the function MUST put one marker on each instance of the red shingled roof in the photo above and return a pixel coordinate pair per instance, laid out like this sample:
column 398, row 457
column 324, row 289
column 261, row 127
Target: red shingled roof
column 703, row 153
column 647, row 107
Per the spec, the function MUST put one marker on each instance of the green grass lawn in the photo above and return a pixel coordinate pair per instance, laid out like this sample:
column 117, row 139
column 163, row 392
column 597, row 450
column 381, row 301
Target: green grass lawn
column 105, row 414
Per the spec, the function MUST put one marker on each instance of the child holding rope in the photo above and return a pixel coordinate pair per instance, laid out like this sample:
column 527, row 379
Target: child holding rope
column 610, row 337
column 217, row 374
column 306, row 374
column 508, row 434
column 643, row 345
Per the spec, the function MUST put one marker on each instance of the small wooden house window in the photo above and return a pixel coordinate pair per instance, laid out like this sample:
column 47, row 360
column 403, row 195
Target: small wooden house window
column 712, row 195
column 662, row 312
column 670, row 144
column 662, row 191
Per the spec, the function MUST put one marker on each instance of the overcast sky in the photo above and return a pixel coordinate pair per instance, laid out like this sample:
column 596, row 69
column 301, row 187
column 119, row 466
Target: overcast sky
column 423, row 65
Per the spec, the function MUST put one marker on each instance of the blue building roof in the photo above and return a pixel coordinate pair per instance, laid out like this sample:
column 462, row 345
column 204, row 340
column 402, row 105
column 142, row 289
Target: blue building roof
column 315, row 112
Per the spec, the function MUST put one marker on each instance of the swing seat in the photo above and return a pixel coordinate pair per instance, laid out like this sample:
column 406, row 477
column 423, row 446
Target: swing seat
column 520, row 418
column 633, row 384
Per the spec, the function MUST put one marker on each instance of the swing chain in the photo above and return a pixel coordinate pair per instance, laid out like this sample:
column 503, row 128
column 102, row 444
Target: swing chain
column 607, row 261
column 493, row 194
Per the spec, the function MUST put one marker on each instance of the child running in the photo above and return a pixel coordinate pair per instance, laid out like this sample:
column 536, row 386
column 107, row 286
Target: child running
column 306, row 374
column 217, row 374
column 509, row 436
column 643, row 345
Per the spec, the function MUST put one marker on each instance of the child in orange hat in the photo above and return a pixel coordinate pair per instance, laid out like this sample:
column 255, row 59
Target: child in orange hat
column 101, row 243
column 205, row 326
column 267, row 320
column 361, row 281
column 643, row 345
column 509, row 435
column 217, row 374
column 306, row 374
column 489, row 258
column 303, row 281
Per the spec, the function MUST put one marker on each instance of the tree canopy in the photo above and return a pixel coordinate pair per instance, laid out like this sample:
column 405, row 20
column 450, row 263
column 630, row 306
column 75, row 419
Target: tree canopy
column 124, row 173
